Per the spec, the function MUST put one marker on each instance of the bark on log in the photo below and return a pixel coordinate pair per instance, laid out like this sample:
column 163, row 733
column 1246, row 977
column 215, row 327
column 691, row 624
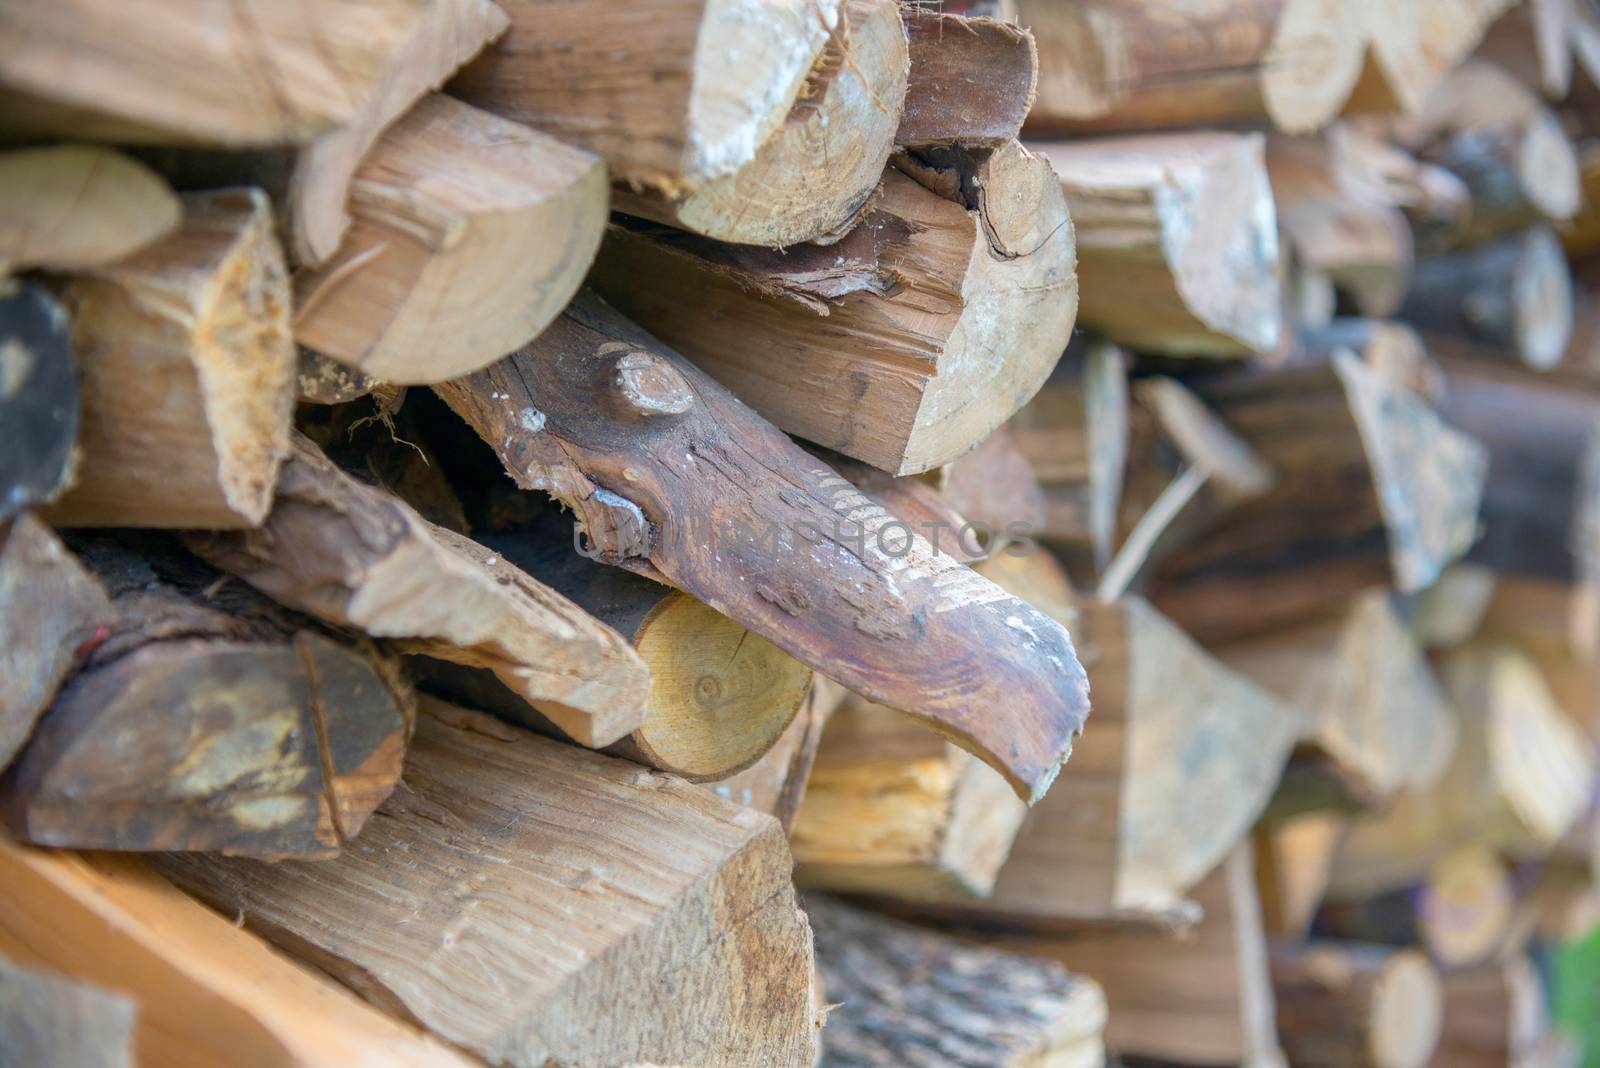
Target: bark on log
column 556, row 905
column 38, row 399
column 70, row 207
column 1177, row 242
column 208, row 993
column 972, row 80
column 940, row 314
column 46, row 1019
column 1344, row 1005
column 187, row 374
column 204, row 717
column 673, row 478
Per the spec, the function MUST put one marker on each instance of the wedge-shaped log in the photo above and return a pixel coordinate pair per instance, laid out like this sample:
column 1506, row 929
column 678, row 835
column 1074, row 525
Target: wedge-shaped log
column 207, row 992
column 187, row 374
column 204, row 717
column 1294, row 858
column 940, row 315
column 1413, row 45
column 763, row 125
column 1346, row 1004
column 46, row 1018
column 469, row 234
column 38, row 398
column 905, row 995
column 672, row 477
column 355, row 556
column 972, row 80
column 576, row 909
column 72, row 206
column 1136, row 64
column 1157, row 217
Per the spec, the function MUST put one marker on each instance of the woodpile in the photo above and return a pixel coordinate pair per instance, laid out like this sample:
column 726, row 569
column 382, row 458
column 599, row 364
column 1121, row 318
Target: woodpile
column 798, row 533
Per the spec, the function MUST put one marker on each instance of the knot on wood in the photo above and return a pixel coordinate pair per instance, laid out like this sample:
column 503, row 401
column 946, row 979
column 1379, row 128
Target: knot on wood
column 649, row 386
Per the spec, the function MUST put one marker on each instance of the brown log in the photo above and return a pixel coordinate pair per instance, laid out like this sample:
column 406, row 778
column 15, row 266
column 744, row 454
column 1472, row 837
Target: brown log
column 1155, row 216
column 354, row 556
column 187, row 374
column 972, row 80
column 1135, row 64
column 920, row 311
column 72, row 206
column 1294, row 858
column 207, row 992
column 702, row 484
column 1494, row 1014
column 764, row 126
column 38, row 398
column 1534, row 41
column 776, row 784
column 994, row 489
column 204, row 717
column 913, row 999
column 46, row 1018
column 196, row 71
column 632, row 917
column 1347, row 1005
column 1413, row 45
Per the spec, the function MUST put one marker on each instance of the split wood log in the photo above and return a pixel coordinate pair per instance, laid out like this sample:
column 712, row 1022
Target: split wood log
column 942, row 312
column 38, row 398
column 895, row 810
column 204, row 717
column 908, row 998
column 1465, row 906
column 52, row 608
column 1513, row 297
column 673, row 478
column 1177, row 243
column 761, row 126
column 187, row 374
column 1132, row 64
column 1372, row 489
column 207, row 992
column 69, row 207
column 1494, row 1014
column 469, row 235
column 354, row 556
column 47, row 1018
column 1413, row 45
column 632, row 917
column 1206, row 999
column 972, row 80
column 196, row 71
column 1370, row 702
column 1520, row 779
column 777, row 783
column 1348, row 1005
column 1294, row 859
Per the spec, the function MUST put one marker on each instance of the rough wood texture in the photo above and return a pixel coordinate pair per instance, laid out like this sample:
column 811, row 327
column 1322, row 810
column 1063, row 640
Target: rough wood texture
column 972, row 80
column 355, row 556
column 1413, row 45
column 38, row 398
column 1356, row 1006
column 532, row 903
column 1493, row 1014
column 469, row 235
column 1177, row 244
column 908, row 998
column 1132, row 64
column 942, row 312
column 52, row 606
column 187, row 374
column 203, row 717
column 672, row 477
column 196, row 71
column 208, row 993
column 47, row 1019
column 73, row 206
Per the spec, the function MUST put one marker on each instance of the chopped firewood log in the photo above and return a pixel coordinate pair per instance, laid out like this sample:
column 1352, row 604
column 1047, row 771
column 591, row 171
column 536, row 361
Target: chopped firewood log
column 1132, row 64
column 1519, row 781
column 1349, row 1005
column 1464, row 907
column 1205, row 999
column 994, row 489
column 195, row 71
column 207, row 992
column 1512, row 297
column 673, row 478
column 908, row 998
column 205, row 717
column 1371, row 705
column 47, row 1018
column 972, row 80
column 777, row 783
column 38, row 398
column 1494, row 1015
column 1574, row 680
column 469, row 234
column 1373, row 489
column 894, row 809
column 941, row 313
column 355, row 556
column 52, row 608
column 761, row 126
column 1536, row 42
column 69, row 207
column 598, row 884
column 1413, row 45
column 1294, row 858
column 1177, row 245
column 187, row 374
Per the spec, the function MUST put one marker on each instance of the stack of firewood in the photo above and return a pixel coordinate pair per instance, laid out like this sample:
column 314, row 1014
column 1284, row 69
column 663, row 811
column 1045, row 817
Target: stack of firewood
column 495, row 493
